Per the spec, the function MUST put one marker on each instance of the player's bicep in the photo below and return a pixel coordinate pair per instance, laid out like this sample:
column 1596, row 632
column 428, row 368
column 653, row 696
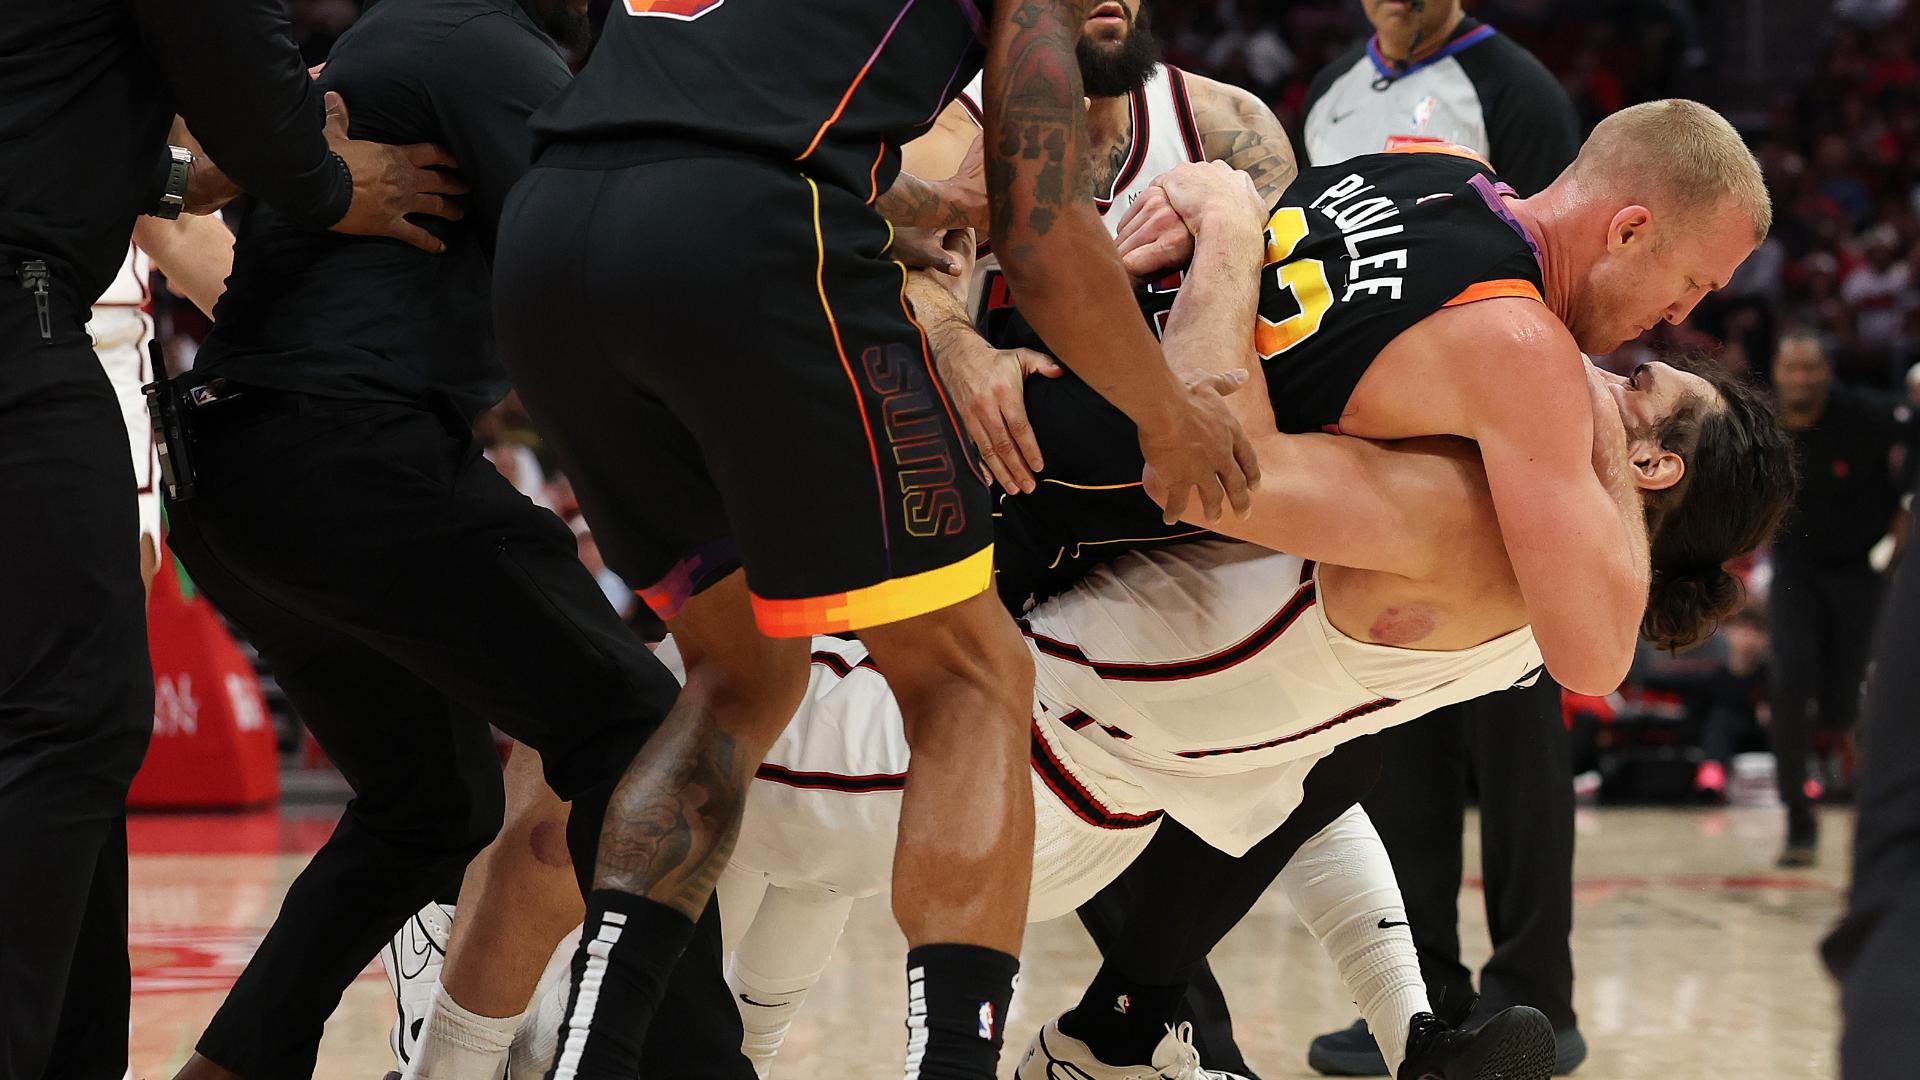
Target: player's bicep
column 1238, row 128
column 1032, row 98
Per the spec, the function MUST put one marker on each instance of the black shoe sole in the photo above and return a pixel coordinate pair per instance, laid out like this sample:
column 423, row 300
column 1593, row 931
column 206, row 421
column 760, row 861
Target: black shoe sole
column 1517, row 1044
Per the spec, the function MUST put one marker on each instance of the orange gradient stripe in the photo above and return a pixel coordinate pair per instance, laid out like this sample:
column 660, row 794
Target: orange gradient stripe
column 1487, row 290
column 877, row 605
column 1448, row 149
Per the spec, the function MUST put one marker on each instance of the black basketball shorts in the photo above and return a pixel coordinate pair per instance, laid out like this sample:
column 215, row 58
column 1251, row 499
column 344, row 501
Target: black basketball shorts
column 726, row 363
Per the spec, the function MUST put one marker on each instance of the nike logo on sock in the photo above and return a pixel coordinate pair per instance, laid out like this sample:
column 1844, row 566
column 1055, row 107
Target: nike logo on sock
column 758, row 1004
column 1385, row 925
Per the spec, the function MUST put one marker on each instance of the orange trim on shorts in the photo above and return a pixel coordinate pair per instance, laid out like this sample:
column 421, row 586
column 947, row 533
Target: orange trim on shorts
column 859, row 399
column 873, row 177
column 1449, row 149
column 879, row 604
column 1487, row 290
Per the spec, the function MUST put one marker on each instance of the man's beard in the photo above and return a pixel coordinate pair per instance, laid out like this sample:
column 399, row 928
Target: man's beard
column 1112, row 72
column 570, row 27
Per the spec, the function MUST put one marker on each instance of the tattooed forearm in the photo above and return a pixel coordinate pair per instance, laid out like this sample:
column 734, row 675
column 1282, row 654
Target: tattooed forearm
column 1236, row 127
column 1035, row 134
column 922, row 204
column 672, row 822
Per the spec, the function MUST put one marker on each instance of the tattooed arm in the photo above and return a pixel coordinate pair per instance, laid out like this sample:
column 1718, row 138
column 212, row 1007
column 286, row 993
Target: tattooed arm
column 952, row 149
column 1062, row 264
column 1237, row 127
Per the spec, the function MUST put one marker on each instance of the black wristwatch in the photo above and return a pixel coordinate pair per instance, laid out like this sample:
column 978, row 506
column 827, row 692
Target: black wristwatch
column 173, row 198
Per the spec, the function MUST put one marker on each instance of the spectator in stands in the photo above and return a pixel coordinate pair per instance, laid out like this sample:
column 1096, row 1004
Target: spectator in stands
column 1825, row 592
column 1879, row 291
column 1726, row 699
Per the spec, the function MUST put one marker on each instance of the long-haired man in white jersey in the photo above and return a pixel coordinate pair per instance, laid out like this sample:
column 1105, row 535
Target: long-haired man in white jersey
column 1210, row 684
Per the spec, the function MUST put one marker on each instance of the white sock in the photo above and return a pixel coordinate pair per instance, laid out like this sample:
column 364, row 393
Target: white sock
column 767, row 1008
column 459, row 1045
column 538, row 1041
column 1341, row 884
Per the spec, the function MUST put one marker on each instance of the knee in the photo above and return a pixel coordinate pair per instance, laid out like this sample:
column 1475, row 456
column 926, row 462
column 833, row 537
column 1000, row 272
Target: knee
column 759, row 685
column 978, row 668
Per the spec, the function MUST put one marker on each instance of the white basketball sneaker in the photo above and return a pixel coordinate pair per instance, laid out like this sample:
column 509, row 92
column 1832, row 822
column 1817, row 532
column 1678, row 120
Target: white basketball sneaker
column 413, row 960
column 1058, row 1056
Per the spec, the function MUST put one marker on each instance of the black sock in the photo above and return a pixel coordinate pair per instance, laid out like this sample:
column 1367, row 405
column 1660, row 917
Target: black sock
column 629, row 946
column 957, row 998
column 1120, row 1020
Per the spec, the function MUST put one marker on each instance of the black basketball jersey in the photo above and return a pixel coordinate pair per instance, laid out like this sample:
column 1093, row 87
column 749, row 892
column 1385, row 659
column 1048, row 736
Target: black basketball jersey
column 835, row 86
column 1360, row 251
column 1356, row 254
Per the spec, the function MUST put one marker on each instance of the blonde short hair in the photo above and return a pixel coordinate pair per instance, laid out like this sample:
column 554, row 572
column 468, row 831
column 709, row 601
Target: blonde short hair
column 1676, row 153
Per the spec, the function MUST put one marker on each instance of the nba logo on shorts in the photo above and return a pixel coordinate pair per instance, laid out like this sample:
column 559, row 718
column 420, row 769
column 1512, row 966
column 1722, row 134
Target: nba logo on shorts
column 986, row 1020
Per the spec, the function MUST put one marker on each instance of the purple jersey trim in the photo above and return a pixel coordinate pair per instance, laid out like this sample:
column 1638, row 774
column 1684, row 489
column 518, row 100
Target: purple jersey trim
column 1493, row 192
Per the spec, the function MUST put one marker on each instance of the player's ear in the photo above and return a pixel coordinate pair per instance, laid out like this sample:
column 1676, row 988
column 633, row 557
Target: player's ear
column 1655, row 468
column 1629, row 224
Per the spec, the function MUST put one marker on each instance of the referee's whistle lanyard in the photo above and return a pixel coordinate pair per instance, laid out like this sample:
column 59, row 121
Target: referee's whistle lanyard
column 1405, row 63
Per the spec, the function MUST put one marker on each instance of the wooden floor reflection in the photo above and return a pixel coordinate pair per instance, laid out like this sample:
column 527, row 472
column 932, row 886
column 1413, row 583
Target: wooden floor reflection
column 1693, row 956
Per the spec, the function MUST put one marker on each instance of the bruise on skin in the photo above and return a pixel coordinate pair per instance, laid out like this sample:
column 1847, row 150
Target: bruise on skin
column 1403, row 625
column 548, row 840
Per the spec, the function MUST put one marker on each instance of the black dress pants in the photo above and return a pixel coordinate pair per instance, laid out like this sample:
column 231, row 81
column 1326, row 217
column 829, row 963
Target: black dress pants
column 1822, row 622
column 1155, row 934
column 1876, row 950
column 1515, row 744
column 405, row 596
column 76, row 697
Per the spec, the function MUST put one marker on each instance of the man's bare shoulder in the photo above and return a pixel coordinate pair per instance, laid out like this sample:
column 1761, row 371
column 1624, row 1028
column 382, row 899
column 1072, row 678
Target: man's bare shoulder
column 1516, row 322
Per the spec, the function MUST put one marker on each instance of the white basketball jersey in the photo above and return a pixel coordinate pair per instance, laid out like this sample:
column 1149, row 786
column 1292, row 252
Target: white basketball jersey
column 1164, row 137
column 121, row 327
column 1209, row 675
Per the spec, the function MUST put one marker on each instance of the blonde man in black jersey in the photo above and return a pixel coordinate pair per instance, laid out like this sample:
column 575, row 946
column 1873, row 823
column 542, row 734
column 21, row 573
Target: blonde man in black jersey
column 1412, row 294
column 1432, row 74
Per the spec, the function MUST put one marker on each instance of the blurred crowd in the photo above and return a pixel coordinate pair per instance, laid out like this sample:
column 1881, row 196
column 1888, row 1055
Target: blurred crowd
column 1832, row 109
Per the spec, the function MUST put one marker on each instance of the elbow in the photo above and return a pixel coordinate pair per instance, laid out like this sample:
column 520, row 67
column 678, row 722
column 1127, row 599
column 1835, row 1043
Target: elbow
column 1588, row 667
column 1589, row 680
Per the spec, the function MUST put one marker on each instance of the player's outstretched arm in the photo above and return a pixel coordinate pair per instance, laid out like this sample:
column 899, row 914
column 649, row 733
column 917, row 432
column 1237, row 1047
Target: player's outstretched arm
column 1063, row 267
column 1578, row 545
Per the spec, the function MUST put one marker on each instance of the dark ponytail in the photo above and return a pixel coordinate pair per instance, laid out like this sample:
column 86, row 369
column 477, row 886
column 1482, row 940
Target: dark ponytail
column 1738, row 485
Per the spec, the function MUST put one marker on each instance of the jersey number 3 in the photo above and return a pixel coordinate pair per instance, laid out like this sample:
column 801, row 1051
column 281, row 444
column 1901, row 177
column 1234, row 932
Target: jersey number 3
column 1305, row 280
column 684, row 10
